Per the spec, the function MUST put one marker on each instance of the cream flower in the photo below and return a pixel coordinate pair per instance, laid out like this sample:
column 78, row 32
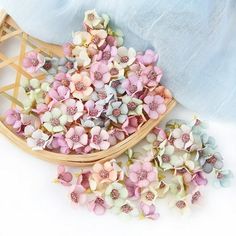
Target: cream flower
column 82, row 57
column 82, row 38
column 92, row 19
column 125, row 57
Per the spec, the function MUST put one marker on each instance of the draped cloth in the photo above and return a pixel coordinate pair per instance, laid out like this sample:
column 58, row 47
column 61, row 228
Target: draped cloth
column 196, row 41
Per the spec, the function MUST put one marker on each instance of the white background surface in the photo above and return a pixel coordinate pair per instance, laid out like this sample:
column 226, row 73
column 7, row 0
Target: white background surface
column 30, row 204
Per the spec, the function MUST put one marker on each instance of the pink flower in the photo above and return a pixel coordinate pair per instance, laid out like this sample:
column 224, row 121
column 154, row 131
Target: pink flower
column 13, row 118
column 67, row 49
column 100, row 75
column 164, row 92
column 99, row 138
column 104, row 173
column 59, row 92
column 64, row 177
column 133, row 190
column 142, row 174
column 97, row 205
column 81, row 85
column 154, row 106
column 132, row 85
column 40, row 108
column 76, row 137
column 93, row 109
column 107, row 54
column 115, row 136
column 149, row 211
column 151, row 76
column 59, row 142
column 33, row 61
column 78, row 195
column 83, row 179
column 199, row 178
column 148, row 58
column 131, row 125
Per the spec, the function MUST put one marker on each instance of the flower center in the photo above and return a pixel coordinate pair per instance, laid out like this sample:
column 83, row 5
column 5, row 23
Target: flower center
column 97, row 139
column 93, row 112
column 40, row 142
column 219, row 176
column 114, row 71
column 195, row 197
column 115, row 84
column 142, row 175
column 65, row 82
column 55, row 122
column 150, row 196
column 91, row 17
column 185, row 137
column 116, row 112
column 99, row 201
column 180, row 204
column 162, row 185
column 152, row 75
column 212, row 160
column 153, row 106
column 133, row 88
column 75, row 138
column 132, row 106
column 124, row 59
column 106, row 55
column 115, row 194
column 74, row 197
column 96, row 39
column 34, row 62
column 71, row 110
column 165, row 158
column 69, row 65
column 126, row 208
column 104, row 174
column 47, row 65
column 80, row 86
column 97, row 75
column 102, row 95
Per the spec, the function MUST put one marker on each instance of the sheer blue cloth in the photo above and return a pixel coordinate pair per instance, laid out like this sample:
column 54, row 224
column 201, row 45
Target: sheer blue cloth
column 196, row 41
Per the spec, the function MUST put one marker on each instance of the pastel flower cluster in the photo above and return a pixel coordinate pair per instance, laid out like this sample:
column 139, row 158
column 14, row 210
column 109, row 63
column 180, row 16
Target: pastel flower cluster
column 173, row 164
column 95, row 96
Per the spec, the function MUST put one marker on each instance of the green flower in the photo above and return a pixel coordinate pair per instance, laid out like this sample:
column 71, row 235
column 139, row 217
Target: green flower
column 116, row 194
column 117, row 112
column 134, row 105
column 54, row 121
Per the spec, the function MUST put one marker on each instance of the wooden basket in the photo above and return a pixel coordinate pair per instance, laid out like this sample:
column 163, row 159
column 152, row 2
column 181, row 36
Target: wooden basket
column 9, row 30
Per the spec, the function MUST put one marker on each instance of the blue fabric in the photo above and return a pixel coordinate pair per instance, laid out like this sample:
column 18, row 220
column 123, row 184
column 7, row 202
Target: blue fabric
column 196, row 40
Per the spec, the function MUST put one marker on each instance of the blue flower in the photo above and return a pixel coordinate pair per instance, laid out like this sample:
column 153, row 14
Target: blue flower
column 223, row 178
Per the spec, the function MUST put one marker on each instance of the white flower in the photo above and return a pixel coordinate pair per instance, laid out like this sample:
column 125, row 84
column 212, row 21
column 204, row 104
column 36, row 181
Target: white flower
column 116, row 194
column 99, row 37
column 81, row 38
column 38, row 140
column 183, row 137
column 81, row 55
column 92, row 19
column 149, row 194
column 73, row 109
column 125, row 57
column 126, row 209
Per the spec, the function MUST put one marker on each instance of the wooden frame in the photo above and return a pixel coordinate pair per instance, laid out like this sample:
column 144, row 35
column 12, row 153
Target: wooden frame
column 9, row 29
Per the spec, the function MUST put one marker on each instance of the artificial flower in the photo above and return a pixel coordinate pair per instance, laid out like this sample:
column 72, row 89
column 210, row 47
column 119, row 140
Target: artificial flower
column 154, row 106
column 117, row 112
column 149, row 211
column 54, row 121
column 99, row 138
column 78, row 195
column 223, row 178
column 148, row 58
column 134, row 105
column 94, row 110
column 92, row 19
column 33, row 61
column 38, row 140
column 64, row 177
column 132, row 85
column 125, row 57
column 210, row 162
column 97, row 205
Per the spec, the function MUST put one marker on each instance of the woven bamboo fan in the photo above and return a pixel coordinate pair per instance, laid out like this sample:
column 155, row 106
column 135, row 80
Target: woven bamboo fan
column 12, row 36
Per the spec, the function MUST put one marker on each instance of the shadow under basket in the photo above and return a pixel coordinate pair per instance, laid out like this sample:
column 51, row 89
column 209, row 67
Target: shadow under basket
column 9, row 31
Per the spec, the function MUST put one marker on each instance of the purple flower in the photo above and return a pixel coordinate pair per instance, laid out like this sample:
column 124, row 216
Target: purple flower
column 94, row 110
column 97, row 205
column 76, row 137
column 149, row 211
column 33, row 61
column 132, row 85
column 151, row 76
column 59, row 142
column 13, row 118
column 148, row 58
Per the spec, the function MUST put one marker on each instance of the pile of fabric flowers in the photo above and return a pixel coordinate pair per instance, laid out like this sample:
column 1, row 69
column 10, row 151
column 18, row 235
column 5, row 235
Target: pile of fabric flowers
column 173, row 164
column 98, row 94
